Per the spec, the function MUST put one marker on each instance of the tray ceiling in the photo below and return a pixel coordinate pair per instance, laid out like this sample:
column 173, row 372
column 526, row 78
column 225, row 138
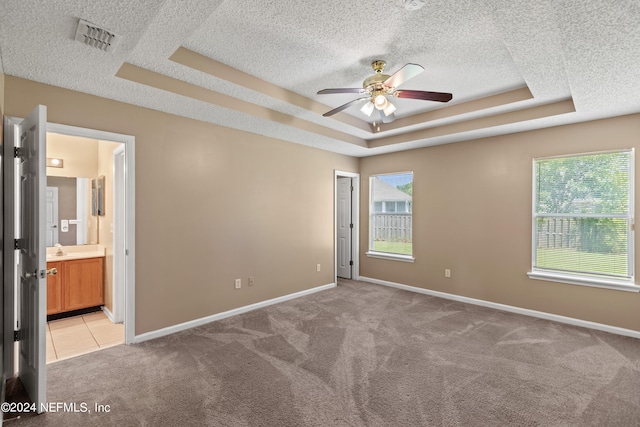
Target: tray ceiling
column 257, row 66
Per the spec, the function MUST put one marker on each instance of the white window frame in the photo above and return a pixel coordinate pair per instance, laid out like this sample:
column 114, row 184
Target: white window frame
column 586, row 279
column 387, row 255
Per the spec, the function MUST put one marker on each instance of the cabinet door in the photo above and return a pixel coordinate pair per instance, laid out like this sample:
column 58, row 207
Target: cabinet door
column 84, row 280
column 54, row 289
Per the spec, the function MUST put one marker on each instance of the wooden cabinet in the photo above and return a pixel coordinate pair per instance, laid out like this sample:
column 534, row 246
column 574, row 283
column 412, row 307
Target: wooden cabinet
column 78, row 284
column 54, row 289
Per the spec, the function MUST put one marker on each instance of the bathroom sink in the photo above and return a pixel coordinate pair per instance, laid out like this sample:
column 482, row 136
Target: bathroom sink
column 74, row 255
column 75, row 252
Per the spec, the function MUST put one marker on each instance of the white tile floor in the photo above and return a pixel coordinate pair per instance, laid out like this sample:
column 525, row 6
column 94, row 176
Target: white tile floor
column 78, row 335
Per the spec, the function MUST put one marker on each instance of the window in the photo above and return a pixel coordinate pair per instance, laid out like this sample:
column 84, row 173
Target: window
column 583, row 219
column 390, row 216
column 392, row 206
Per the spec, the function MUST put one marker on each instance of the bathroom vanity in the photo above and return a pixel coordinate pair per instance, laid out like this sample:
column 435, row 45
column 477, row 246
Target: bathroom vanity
column 79, row 281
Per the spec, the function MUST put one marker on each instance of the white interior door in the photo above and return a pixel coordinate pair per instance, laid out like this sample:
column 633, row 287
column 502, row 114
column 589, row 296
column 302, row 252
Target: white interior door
column 32, row 257
column 51, row 227
column 344, row 225
column 8, row 253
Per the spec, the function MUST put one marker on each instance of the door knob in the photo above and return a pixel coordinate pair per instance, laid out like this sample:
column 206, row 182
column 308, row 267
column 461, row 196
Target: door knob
column 52, row 271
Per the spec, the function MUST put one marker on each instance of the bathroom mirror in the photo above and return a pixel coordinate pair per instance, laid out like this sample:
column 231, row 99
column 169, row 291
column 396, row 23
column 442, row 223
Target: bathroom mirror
column 68, row 220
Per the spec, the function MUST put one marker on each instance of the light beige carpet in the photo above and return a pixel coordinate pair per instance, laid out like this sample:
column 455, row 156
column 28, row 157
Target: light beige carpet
column 359, row 355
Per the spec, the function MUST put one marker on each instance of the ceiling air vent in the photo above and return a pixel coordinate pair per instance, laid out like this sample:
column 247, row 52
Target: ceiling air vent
column 414, row 4
column 94, row 36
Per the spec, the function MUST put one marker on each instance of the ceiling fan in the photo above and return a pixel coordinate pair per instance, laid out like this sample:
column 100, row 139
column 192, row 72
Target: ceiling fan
column 379, row 87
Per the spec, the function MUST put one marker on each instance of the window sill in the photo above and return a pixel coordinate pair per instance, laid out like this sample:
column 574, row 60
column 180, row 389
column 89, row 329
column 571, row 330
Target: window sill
column 393, row 257
column 596, row 282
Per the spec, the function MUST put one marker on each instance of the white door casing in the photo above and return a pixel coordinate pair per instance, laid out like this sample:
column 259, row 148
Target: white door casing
column 344, row 227
column 32, row 257
column 119, row 234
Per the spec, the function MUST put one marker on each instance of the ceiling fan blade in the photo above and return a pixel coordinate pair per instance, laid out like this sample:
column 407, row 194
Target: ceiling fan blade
column 424, row 95
column 342, row 90
column 343, row 106
column 404, row 74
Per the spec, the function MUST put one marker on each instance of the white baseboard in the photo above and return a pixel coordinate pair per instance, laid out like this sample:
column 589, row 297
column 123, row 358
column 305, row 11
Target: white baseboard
column 106, row 311
column 509, row 308
column 204, row 320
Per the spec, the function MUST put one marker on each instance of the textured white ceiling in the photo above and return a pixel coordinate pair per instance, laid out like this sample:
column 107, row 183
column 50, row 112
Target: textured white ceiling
column 586, row 51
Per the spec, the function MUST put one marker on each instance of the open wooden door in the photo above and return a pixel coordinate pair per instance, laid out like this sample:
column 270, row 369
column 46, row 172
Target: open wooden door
column 32, row 270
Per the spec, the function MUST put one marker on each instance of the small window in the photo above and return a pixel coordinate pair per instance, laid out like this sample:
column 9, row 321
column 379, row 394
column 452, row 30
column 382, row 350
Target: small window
column 583, row 216
column 390, row 219
column 390, row 206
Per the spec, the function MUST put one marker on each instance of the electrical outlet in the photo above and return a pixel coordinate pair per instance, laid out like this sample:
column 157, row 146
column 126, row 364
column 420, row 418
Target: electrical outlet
column 238, row 283
column 318, row 267
column 251, row 280
column 447, row 272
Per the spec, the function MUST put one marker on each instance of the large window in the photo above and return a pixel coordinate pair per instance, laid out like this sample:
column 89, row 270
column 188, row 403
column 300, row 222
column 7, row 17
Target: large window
column 390, row 216
column 583, row 217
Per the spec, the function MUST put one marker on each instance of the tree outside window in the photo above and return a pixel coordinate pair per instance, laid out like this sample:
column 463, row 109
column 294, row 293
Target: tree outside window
column 583, row 214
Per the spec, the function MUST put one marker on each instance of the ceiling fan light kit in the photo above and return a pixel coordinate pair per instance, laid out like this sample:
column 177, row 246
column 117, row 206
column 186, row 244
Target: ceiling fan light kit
column 380, row 102
column 380, row 86
column 367, row 109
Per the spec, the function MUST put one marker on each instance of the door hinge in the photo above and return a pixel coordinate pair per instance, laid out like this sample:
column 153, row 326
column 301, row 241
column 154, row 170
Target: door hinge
column 350, row 225
column 18, row 335
column 350, row 262
column 18, row 244
column 18, row 152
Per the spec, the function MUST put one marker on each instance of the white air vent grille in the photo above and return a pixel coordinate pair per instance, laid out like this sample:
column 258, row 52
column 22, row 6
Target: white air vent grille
column 94, row 36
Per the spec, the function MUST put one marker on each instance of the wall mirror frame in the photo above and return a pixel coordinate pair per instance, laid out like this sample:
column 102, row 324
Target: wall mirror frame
column 97, row 196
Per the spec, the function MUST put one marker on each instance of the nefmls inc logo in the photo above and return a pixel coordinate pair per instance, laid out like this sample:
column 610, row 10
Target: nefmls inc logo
column 77, row 407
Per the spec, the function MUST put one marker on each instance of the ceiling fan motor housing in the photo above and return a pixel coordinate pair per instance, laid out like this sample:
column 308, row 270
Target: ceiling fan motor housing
column 374, row 84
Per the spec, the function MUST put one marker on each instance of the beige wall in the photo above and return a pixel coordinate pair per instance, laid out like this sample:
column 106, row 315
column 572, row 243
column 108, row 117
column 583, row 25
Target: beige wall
column 472, row 214
column 105, row 227
column 212, row 204
column 80, row 155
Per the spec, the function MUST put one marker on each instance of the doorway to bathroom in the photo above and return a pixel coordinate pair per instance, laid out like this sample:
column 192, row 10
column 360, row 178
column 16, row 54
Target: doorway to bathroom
column 103, row 165
column 85, row 218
